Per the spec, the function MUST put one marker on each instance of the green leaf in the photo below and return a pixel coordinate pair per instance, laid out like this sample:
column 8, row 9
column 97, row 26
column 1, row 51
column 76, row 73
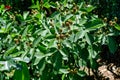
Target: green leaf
column 25, row 31
column 82, row 62
column 95, row 24
column 67, row 17
column 25, row 15
column 10, row 50
column 93, row 64
column 36, row 41
column 88, row 9
column 4, row 65
column 44, row 33
column 81, row 73
column 89, row 38
column 58, row 61
column 8, row 27
column 55, row 14
column 82, row 21
column 42, row 48
column 63, row 54
column 52, row 30
column 47, row 5
column 54, row 5
column 117, row 26
column 2, row 30
column 17, row 54
column 38, row 59
column 63, row 77
column 50, row 36
column 52, row 43
column 112, row 45
column 23, row 73
column 79, row 35
column 67, row 43
column 65, row 71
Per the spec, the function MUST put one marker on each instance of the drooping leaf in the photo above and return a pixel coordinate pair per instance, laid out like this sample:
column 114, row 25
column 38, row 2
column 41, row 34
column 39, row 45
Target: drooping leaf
column 89, row 38
column 65, row 56
column 117, row 26
column 52, row 43
column 79, row 35
column 42, row 48
column 81, row 73
column 65, row 71
column 17, row 54
column 47, row 5
column 38, row 59
column 67, row 17
column 82, row 63
column 36, row 41
column 25, row 31
column 93, row 64
column 95, row 24
column 112, row 45
column 88, row 9
column 50, row 36
column 67, row 43
column 10, row 50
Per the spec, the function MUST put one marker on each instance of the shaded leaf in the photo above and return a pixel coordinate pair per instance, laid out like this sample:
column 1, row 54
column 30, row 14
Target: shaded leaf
column 23, row 73
column 95, row 24
column 112, row 45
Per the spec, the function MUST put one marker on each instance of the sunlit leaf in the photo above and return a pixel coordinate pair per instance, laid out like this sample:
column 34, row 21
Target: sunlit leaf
column 81, row 73
column 10, row 50
column 117, row 26
column 47, row 5
column 89, row 8
column 25, row 15
column 65, row 71
column 36, row 41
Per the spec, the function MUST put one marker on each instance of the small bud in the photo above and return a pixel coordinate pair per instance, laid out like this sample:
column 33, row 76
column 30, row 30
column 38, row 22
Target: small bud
column 19, row 36
column 57, row 36
column 60, row 30
column 28, row 35
column 67, row 34
column 62, row 36
column 111, row 23
column 30, row 44
column 16, row 41
column 70, row 22
column 58, row 45
column 105, row 19
column 70, row 32
column 67, row 23
column 51, row 24
column 63, row 24
column 115, row 19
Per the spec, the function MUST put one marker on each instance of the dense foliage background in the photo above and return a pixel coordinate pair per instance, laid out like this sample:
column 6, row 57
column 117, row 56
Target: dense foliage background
column 56, row 39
